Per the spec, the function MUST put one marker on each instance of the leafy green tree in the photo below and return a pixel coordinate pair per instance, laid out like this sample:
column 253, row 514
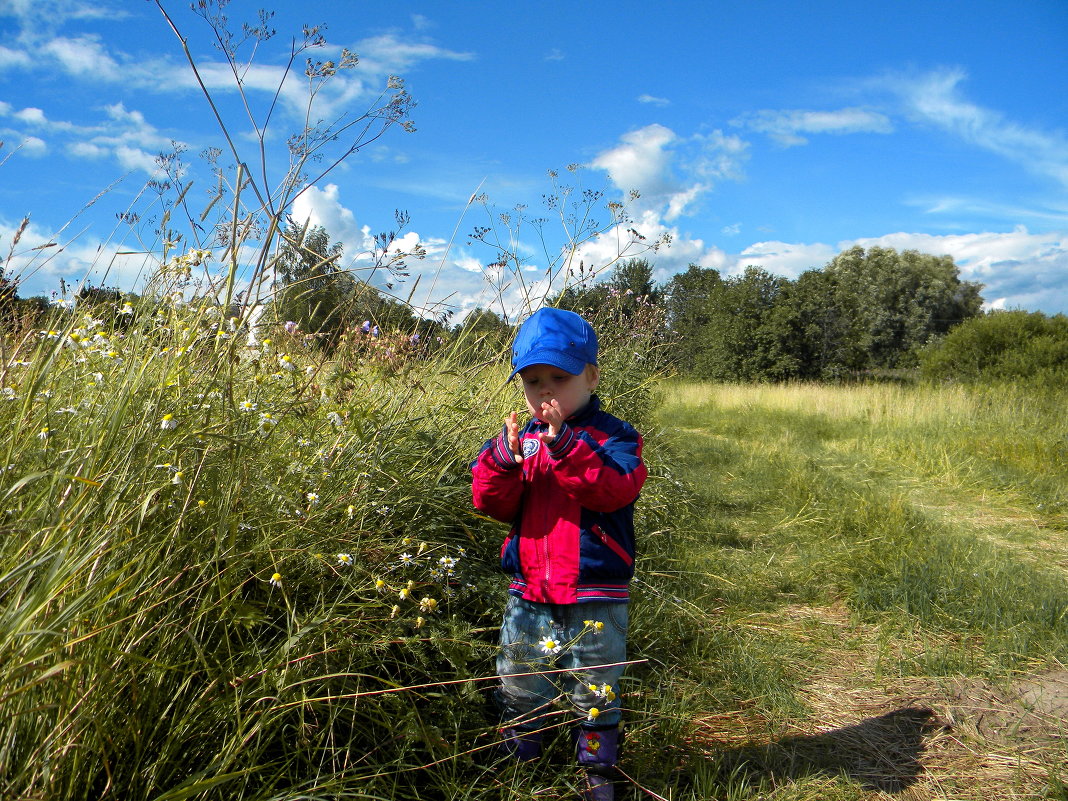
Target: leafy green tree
column 631, row 282
column 633, row 278
column 881, row 305
column 311, row 289
column 483, row 336
column 689, row 299
column 746, row 335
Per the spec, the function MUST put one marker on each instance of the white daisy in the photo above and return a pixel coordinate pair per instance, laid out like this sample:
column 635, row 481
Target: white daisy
column 550, row 646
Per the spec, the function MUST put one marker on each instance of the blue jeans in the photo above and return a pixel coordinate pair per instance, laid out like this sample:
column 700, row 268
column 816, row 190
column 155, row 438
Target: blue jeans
column 526, row 693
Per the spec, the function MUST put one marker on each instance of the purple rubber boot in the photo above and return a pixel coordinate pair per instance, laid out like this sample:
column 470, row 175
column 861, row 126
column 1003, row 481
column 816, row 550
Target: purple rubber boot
column 522, row 746
column 598, row 751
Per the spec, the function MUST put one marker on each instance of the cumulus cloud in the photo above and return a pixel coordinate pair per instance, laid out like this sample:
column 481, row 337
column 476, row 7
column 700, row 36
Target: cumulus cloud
column 323, row 207
column 33, row 146
column 134, row 158
column 81, row 56
column 30, row 116
column 788, row 126
column 603, row 252
column 457, row 280
column 39, row 261
column 1018, row 269
column 13, row 58
column 86, row 150
column 641, row 161
column 671, row 173
column 784, row 258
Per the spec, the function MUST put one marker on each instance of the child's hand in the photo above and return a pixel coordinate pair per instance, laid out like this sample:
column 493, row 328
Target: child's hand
column 553, row 415
column 511, row 428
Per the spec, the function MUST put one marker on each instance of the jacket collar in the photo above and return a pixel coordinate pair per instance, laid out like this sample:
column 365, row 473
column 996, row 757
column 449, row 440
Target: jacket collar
column 586, row 413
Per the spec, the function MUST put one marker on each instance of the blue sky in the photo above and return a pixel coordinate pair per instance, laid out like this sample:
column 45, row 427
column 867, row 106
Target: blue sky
column 765, row 132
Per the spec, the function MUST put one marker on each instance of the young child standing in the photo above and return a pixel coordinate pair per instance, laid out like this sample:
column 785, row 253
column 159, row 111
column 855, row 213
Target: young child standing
column 567, row 482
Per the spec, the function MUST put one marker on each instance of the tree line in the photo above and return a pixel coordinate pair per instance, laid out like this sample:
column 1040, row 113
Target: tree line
column 873, row 312
column 868, row 312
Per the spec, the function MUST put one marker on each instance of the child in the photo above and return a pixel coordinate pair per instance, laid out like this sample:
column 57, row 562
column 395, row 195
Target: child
column 567, row 482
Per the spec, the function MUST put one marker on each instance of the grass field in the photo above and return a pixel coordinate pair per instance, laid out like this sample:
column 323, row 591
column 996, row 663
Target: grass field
column 254, row 572
column 869, row 596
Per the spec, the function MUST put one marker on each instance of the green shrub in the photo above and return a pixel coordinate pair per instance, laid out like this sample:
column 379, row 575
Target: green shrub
column 1002, row 346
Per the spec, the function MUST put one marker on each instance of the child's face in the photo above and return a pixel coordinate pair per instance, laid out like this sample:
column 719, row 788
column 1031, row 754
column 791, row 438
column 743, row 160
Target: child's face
column 543, row 383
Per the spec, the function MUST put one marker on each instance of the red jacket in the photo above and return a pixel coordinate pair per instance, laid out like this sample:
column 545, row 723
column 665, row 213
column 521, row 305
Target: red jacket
column 571, row 506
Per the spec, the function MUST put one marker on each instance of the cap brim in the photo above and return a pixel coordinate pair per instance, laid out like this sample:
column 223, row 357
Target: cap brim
column 554, row 358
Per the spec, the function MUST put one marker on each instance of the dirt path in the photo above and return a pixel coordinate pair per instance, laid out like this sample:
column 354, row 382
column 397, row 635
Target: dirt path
column 908, row 738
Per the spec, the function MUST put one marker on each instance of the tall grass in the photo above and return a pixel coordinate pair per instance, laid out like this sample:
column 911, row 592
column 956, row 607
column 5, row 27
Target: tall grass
column 237, row 571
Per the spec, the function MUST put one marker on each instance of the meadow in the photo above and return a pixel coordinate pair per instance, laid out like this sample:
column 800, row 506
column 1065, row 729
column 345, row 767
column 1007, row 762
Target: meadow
column 875, row 575
column 245, row 569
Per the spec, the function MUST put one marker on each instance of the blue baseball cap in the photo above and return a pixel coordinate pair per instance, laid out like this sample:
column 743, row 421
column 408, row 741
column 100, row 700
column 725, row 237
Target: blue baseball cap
column 556, row 337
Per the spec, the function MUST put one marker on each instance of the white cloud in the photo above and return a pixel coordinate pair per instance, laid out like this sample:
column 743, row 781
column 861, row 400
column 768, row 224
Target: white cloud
column 30, row 116
column 962, row 205
column 605, row 251
column 13, row 58
column 787, row 126
column 82, row 56
column 1018, row 268
column 39, row 261
column 86, row 150
column 469, row 263
column 678, row 202
column 389, row 54
column 721, row 156
column 784, row 258
column 345, row 95
column 33, row 146
column 134, row 158
column 556, row 54
column 323, row 207
column 935, row 98
column 31, row 13
column 653, row 100
column 125, row 136
column 671, row 173
column 642, row 161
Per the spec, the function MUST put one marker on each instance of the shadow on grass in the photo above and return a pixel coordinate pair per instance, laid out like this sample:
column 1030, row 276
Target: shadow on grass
column 882, row 753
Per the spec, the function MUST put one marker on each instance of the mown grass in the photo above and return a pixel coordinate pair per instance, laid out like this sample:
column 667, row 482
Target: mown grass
column 842, row 542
